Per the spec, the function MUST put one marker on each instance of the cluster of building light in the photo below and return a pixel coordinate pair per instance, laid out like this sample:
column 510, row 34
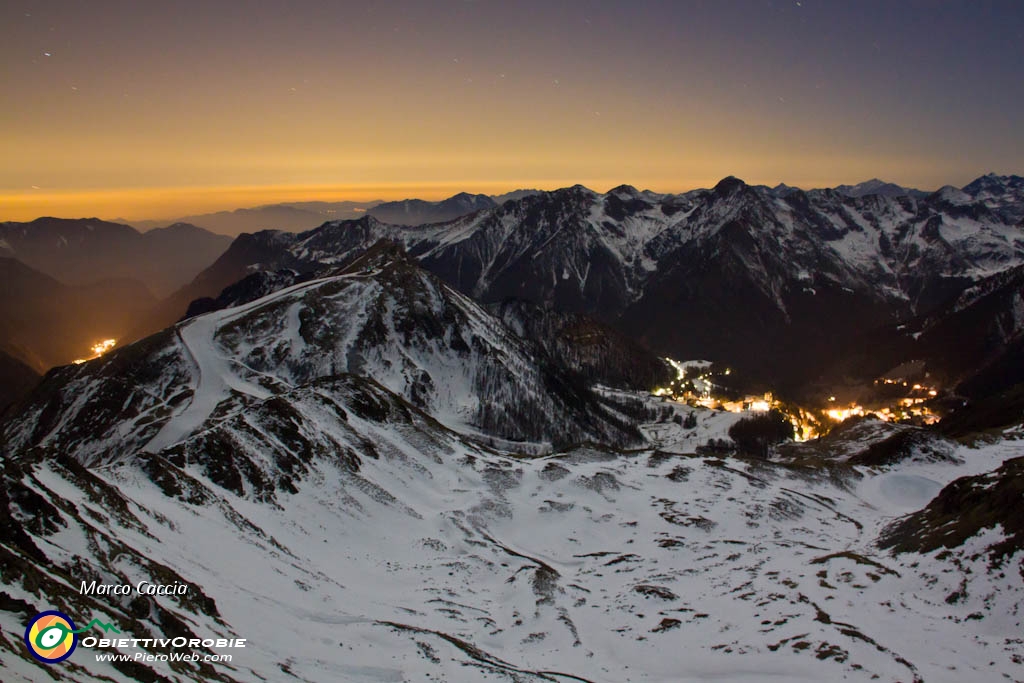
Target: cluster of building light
column 807, row 424
column 753, row 404
column 911, row 406
column 98, row 349
column 905, row 409
column 702, row 394
column 907, row 385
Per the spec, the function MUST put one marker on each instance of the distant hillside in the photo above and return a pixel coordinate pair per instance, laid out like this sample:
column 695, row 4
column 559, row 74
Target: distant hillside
column 293, row 217
column 82, row 251
column 16, row 380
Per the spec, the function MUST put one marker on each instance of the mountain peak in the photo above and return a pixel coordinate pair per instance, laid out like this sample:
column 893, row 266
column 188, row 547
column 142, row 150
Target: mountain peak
column 368, row 220
column 574, row 192
column 463, row 196
column 729, row 185
column 513, row 195
column 384, row 253
column 784, row 190
column 993, row 182
column 951, row 195
column 624, row 189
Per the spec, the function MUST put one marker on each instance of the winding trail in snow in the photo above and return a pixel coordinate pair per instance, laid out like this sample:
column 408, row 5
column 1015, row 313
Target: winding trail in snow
column 215, row 378
column 214, row 383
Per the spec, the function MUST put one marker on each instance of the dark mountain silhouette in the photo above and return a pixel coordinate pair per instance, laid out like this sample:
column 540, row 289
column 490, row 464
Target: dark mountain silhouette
column 513, row 195
column 82, row 251
column 419, row 211
column 981, row 327
column 16, row 380
column 45, row 323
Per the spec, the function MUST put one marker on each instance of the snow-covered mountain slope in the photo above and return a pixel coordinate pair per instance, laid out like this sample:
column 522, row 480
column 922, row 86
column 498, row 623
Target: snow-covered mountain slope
column 981, row 330
column 383, row 318
column 345, row 472
column 576, row 241
column 986, row 503
column 251, row 287
column 348, row 536
column 560, row 246
column 783, row 281
column 1005, row 194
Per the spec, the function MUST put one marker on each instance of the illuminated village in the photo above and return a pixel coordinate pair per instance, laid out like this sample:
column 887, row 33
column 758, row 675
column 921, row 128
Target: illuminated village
column 98, row 349
column 700, row 383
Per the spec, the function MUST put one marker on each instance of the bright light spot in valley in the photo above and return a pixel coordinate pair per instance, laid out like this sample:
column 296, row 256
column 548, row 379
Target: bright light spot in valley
column 695, row 385
column 98, row 349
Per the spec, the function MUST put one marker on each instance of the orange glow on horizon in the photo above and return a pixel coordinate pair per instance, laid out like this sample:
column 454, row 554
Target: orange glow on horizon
column 173, row 202
column 144, row 203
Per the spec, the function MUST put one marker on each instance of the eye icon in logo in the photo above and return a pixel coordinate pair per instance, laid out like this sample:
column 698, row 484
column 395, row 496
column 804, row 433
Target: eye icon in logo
column 50, row 637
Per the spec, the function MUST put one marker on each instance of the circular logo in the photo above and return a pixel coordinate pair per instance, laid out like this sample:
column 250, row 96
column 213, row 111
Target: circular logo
column 50, row 637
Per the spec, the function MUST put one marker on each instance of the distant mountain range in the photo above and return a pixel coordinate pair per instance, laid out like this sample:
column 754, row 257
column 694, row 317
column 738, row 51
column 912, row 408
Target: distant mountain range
column 873, row 186
column 86, row 250
column 778, row 279
column 301, row 216
column 291, row 216
column 783, row 282
column 880, row 187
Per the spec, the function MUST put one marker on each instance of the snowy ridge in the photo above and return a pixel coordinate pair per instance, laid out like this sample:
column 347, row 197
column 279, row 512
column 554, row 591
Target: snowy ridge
column 216, row 376
column 390, row 321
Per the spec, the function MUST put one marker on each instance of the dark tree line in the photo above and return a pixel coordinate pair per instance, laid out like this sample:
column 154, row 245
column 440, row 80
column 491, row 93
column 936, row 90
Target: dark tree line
column 756, row 435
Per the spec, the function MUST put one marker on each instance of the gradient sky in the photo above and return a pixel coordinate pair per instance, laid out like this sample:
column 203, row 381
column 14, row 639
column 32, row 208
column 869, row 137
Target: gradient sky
column 143, row 109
